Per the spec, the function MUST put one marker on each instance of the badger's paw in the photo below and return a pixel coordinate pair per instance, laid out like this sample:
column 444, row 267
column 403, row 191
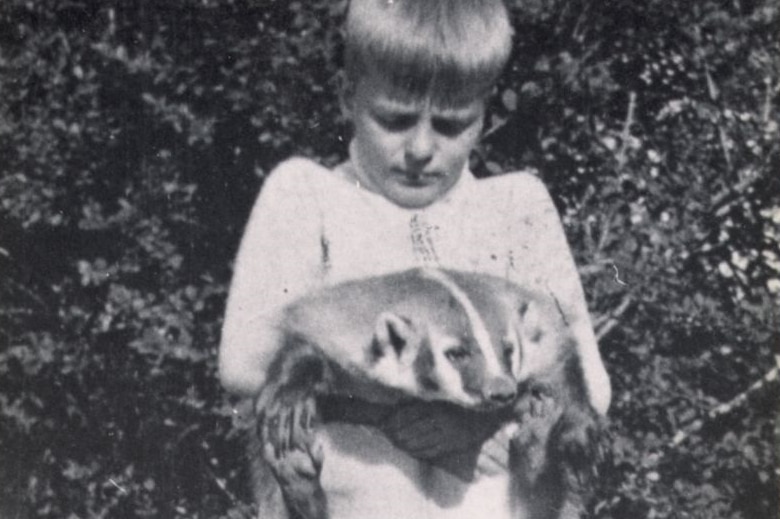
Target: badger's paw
column 291, row 449
column 537, row 413
column 286, row 421
column 576, row 446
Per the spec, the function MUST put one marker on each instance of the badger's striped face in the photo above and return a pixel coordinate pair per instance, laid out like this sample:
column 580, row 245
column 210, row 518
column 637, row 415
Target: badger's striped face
column 467, row 363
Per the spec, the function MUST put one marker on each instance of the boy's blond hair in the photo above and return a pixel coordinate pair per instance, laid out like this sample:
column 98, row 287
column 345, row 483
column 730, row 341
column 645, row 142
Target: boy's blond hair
column 451, row 51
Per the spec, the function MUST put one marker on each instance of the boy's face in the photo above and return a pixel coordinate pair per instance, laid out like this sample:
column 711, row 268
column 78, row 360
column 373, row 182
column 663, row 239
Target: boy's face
column 409, row 151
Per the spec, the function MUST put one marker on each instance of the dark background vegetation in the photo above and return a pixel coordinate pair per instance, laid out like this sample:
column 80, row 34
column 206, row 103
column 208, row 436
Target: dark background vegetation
column 135, row 134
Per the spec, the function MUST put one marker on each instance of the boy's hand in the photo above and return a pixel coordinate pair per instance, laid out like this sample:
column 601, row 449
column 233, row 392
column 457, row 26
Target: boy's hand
column 428, row 430
column 494, row 456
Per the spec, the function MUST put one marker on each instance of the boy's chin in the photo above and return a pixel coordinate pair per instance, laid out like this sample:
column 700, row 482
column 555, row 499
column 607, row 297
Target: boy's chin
column 414, row 197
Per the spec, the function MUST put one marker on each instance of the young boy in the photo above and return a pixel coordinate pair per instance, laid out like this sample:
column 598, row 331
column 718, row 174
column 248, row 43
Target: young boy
column 417, row 77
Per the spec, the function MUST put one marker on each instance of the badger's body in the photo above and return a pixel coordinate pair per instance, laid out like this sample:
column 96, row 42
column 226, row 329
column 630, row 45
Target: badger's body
column 435, row 335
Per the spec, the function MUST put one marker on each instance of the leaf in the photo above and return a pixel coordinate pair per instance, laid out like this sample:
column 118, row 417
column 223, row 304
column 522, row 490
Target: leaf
column 509, row 100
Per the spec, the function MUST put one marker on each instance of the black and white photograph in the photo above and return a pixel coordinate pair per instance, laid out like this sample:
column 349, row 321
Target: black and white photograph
column 414, row 259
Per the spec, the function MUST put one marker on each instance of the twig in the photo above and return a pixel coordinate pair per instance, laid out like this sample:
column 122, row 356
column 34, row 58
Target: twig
column 220, row 483
column 605, row 324
column 12, row 284
column 493, row 129
column 726, row 198
column 727, row 407
column 186, row 432
column 625, row 135
column 714, row 93
column 606, row 228
column 766, row 112
column 240, row 507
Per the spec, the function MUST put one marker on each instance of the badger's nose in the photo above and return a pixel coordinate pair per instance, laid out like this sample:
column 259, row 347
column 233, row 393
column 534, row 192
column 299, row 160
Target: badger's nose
column 501, row 391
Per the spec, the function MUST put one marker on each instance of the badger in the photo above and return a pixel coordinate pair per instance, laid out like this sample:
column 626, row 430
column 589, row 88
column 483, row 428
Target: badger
column 352, row 352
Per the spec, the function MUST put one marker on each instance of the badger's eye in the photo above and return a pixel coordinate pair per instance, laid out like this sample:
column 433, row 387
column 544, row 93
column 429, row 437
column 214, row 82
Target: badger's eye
column 508, row 352
column 458, row 354
column 508, row 348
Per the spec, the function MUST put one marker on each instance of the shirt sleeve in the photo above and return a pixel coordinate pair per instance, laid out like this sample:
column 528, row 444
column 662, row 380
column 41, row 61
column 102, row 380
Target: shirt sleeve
column 278, row 260
column 538, row 237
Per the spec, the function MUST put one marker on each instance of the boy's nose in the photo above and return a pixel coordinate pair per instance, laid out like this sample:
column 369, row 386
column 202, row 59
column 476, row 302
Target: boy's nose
column 420, row 144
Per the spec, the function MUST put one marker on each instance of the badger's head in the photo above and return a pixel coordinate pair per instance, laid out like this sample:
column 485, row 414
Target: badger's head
column 439, row 344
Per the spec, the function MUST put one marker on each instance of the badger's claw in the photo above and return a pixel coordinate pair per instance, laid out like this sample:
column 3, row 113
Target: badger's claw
column 536, row 413
column 287, row 424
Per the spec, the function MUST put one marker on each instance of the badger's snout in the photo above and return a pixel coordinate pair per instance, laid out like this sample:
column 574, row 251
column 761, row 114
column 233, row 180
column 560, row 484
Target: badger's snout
column 500, row 391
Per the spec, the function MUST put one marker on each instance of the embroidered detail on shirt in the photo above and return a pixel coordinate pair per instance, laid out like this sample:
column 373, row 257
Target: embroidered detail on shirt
column 559, row 307
column 421, row 235
column 510, row 263
column 325, row 253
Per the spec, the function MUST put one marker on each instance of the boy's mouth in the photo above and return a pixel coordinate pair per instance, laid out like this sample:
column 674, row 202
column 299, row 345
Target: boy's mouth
column 419, row 178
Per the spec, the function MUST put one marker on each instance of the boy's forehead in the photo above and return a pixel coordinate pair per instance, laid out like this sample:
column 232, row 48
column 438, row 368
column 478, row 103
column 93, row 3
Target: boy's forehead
column 384, row 95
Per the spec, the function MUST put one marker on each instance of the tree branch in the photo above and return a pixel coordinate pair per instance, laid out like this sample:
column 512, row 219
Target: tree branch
column 606, row 323
column 625, row 135
column 727, row 407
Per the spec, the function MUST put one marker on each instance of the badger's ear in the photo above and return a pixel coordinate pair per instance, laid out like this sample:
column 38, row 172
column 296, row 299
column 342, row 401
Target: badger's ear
column 396, row 335
column 532, row 322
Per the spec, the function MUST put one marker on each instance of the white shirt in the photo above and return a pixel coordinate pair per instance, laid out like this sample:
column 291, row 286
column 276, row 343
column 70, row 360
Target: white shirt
column 312, row 227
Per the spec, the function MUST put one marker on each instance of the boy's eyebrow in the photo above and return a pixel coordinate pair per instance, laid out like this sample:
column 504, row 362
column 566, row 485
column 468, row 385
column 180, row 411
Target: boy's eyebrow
column 399, row 107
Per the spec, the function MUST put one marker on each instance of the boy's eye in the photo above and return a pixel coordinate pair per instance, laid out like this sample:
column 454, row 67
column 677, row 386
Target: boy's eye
column 450, row 127
column 446, row 126
column 396, row 123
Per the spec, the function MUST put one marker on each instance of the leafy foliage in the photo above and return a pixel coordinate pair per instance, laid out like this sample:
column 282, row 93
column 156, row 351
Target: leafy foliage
column 135, row 135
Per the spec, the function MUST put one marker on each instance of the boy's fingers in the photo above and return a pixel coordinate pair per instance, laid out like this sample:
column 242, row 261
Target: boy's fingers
column 507, row 433
column 489, row 467
column 494, row 455
column 492, row 461
column 497, row 452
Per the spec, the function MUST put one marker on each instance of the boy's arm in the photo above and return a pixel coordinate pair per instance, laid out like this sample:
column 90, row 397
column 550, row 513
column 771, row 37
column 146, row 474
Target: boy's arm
column 538, row 235
column 278, row 260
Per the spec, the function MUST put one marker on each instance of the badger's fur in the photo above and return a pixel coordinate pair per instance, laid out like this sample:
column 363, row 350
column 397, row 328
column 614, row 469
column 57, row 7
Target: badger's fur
column 472, row 340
